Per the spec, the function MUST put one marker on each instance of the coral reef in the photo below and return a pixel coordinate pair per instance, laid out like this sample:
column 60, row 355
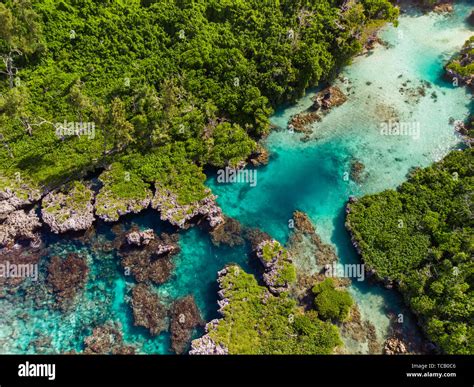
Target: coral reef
column 148, row 311
column 66, row 277
column 185, row 317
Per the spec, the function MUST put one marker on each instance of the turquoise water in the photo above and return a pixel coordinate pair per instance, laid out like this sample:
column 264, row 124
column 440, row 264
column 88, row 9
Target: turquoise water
column 309, row 176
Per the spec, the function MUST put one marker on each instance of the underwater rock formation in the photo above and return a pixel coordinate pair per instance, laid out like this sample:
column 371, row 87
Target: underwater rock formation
column 357, row 171
column 304, row 231
column 66, row 277
column 148, row 311
column 107, row 340
column 152, row 261
column 185, row 317
column 229, row 233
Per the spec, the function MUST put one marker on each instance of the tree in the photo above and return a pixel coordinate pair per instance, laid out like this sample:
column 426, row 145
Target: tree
column 121, row 129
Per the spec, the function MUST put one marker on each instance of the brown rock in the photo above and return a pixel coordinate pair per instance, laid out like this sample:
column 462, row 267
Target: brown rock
column 228, row 233
column 148, row 311
column 107, row 340
column 329, row 98
column 185, row 317
column 66, row 277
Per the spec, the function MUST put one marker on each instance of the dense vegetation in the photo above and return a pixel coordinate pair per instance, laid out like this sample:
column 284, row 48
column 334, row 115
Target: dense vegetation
column 332, row 303
column 421, row 236
column 170, row 85
column 463, row 64
column 257, row 322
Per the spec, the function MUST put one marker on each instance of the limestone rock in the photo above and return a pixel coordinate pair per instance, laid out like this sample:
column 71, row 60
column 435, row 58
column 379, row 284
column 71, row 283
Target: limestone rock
column 71, row 210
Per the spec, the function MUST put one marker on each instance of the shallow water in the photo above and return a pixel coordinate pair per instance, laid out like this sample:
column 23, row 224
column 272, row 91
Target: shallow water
column 309, row 176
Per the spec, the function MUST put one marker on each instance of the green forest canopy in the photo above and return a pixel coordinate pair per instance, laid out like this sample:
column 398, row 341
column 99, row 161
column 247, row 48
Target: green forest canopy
column 193, row 79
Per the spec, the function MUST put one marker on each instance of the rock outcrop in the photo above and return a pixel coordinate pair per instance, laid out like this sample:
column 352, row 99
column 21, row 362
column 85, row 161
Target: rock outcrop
column 394, row 346
column 110, row 209
column 329, row 98
column 459, row 68
column 259, row 157
column 206, row 345
column 140, row 238
column 279, row 269
column 69, row 210
column 166, row 202
column 15, row 195
column 324, row 101
column 19, row 225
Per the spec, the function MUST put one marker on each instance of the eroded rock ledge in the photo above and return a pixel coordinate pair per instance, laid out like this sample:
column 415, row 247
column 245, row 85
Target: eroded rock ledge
column 19, row 225
column 166, row 202
column 69, row 210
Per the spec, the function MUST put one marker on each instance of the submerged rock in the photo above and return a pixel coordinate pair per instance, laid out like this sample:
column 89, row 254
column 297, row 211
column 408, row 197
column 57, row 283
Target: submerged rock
column 66, row 277
column 357, row 171
column 470, row 19
column 69, row 209
column 228, row 233
column 166, row 202
column 148, row 311
column 107, row 340
column 255, row 236
column 185, row 317
column 324, row 253
column 151, row 261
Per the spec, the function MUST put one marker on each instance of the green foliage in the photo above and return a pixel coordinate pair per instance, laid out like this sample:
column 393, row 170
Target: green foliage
column 332, row 303
column 257, row 322
column 463, row 64
column 203, row 75
column 421, row 236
